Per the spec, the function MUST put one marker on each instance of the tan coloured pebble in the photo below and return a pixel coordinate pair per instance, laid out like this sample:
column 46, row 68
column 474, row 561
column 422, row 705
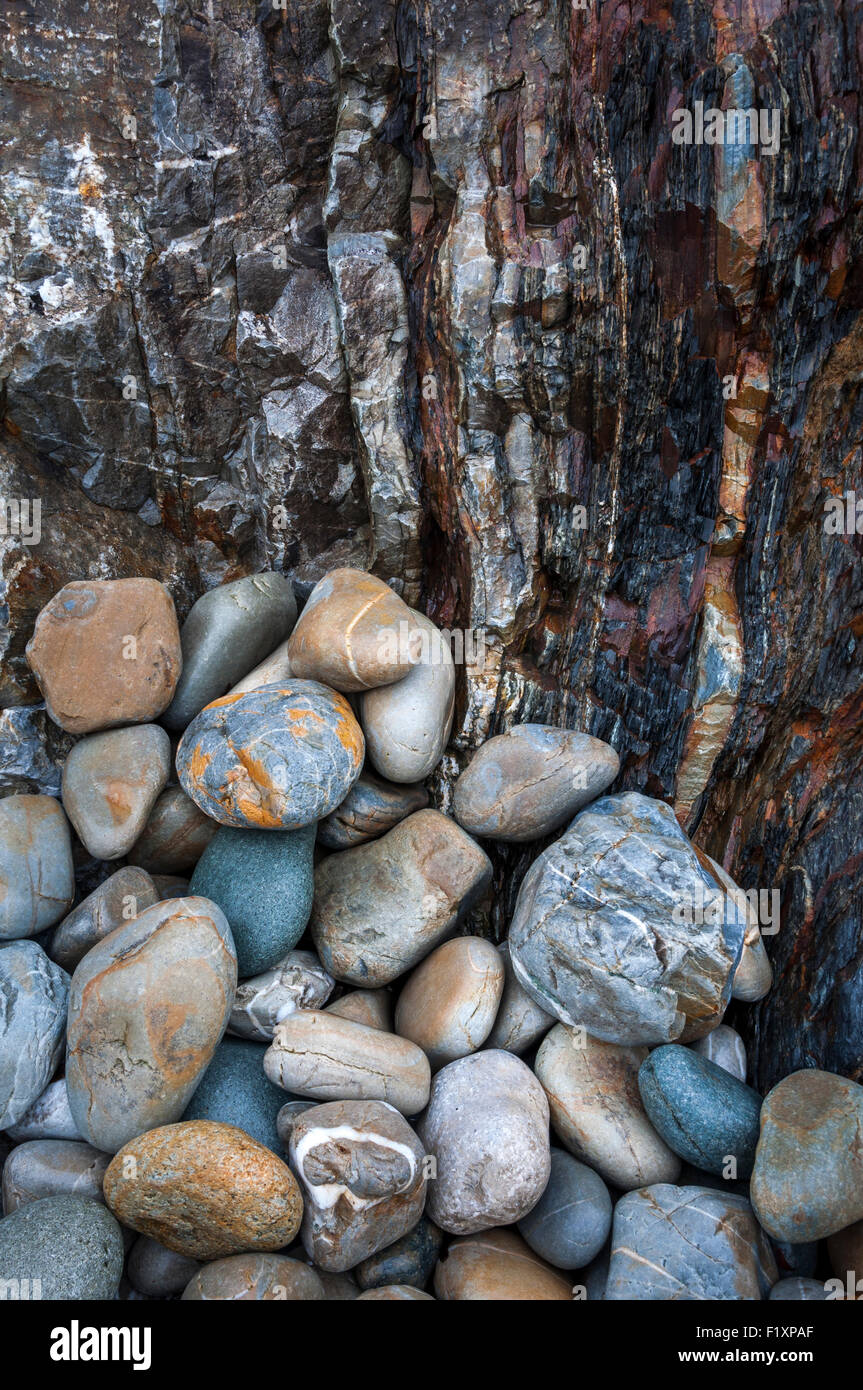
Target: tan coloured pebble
column 319, row 1055
column 372, row 1007
column 497, row 1265
column 448, row 1005
column 254, row 1278
column 347, row 636
column 596, row 1108
column 110, row 784
column 205, row 1190
column 106, row 652
column 175, row 836
column 396, row 1293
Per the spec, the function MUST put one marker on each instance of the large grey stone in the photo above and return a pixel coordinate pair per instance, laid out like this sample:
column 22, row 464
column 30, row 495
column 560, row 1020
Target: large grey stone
column 52, row 1168
column 34, row 993
column 37, row 884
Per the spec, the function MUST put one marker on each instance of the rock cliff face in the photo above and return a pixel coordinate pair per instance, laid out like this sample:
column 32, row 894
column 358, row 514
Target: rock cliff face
column 431, row 288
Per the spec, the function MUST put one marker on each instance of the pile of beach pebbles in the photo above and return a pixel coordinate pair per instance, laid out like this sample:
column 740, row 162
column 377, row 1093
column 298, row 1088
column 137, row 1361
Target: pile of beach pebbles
column 262, row 1059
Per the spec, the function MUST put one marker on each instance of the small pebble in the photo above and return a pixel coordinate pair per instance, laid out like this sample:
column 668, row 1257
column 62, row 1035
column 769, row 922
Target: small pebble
column 797, row 1290
column 725, row 1049
column 235, row 1091
column 110, row 783
column 175, row 836
column 371, row 808
column 497, row 1266
column 520, row 1022
column 372, row 1007
column 118, row 899
column 572, row 1219
column 410, row 1260
column 254, row 1278
column 449, row 1002
column 156, row 1272
column 49, row 1117
column 299, row 981
column 52, row 1168
column 701, row 1111
column 397, row 1293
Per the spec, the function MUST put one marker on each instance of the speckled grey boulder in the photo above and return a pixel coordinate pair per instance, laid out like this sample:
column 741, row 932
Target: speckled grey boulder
column 49, row 1117
column 679, row 1244
column 120, row 898
column 519, row 1022
column 407, row 725
column 360, row 1167
column 37, row 883
column 299, row 981
column 52, row 1168
column 380, row 908
column 228, row 631
column 487, row 1127
column 34, row 994
column 276, row 758
column 701, row 1111
column 524, row 784
column 110, row 782
column 725, row 1049
column 175, row 836
column 72, row 1248
column 147, row 1008
column 606, row 932
column 371, row 808
column 570, row 1223
column 157, row 1272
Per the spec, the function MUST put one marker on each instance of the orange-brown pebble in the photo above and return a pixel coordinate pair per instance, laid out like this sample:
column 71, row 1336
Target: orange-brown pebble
column 354, row 633
column 497, row 1265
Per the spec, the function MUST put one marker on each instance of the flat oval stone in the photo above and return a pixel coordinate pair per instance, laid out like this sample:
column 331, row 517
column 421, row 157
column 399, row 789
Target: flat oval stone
column 204, row 1190
column 572, row 1219
column 497, row 1266
column 808, row 1177
column 157, row 1272
column 408, row 1261
column 519, row 1022
column 354, row 633
column 702, row 1112
column 360, row 1167
column 37, row 879
column 254, row 1279
column 798, row 1290
column 448, row 1004
column 397, row 1293
column 49, row 1117
column 110, row 783
column 276, row 758
column 229, row 630
column 235, row 1091
column 175, row 836
column 297, row 982
column 407, row 725
column 66, row 1247
column 35, row 993
column 324, row 1057
column 123, row 632
column 680, row 1244
column 52, row 1168
column 372, row 1007
column 380, row 908
column 371, row 808
column 147, row 1008
column 263, row 881
column 597, row 1110
column 606, row 934
column 725, row 1049
column 117, row 900
column 524, row 784
column 487, row 1115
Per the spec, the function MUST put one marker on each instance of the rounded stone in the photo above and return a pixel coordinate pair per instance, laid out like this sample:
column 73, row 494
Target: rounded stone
column 68, row 1247
column 396, row 1293
column 52, row 1168
column 106, row 652
column 276, row 758
column 175, row 836
column 797, row 1290
column 110, row 783
column 360, row 1167
column 410, row 1260
column 371, row 808
column 147, row 1008
column 725, row 1049
column 808, row 1177
column 372, row 1007
column 235, row 1091
column 702, row 1112
column 497, row 1266
column 572, row 1219
column 597, row 1110
column 381, row 907
column 324, row 1057
column 204, row 1190
column 117, row 900
column 407, row 725
column 299, row 981
column 275, row 669
column 449, row 1003
column 519, row 1022
column 34, row 993
column 37, row 880
column 487, row 1115
column 524, row 784
column 263, row 881
column 157, row 1272
column 255, row 1279
column 228, row 631
column 354, row 633
column 49, row 1117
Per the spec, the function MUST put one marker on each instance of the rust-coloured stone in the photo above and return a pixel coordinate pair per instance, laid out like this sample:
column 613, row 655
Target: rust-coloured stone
column 354, row 633
column 106, row 652
column 205, row 1190
column 497, row 1266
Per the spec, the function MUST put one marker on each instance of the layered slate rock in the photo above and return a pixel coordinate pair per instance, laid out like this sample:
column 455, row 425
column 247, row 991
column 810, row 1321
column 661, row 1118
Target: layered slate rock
column 37, row 883
column 106, row 652
column 680, row 1244
column 275, row 758
column 611, row 933
column 34, row 992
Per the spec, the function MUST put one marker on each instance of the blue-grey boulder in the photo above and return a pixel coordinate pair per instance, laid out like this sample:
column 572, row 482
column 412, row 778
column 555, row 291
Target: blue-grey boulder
column 37, row 881
column 64, row 1248
column 235, row 1091
column 702, row 1112
column 34, row 994
column 572, row 1219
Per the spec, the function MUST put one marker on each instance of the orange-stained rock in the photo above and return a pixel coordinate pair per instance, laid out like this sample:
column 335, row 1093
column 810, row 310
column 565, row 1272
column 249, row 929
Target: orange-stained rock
column 254, row 1278
column 354, row 633
column 106, row 652
column 497, row 1265
column 204, row 1190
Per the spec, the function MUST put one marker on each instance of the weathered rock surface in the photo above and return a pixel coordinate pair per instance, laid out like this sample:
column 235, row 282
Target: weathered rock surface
column 371, row 808
column 407, row 725
column 261, row 1002
column 37, row 883
column 35, row 992
column 354, row 633
column 325, row 1057
column 49, row 1117
column 110, row 784
column 67, row 1248
column 118, row 899
column 175, row 836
